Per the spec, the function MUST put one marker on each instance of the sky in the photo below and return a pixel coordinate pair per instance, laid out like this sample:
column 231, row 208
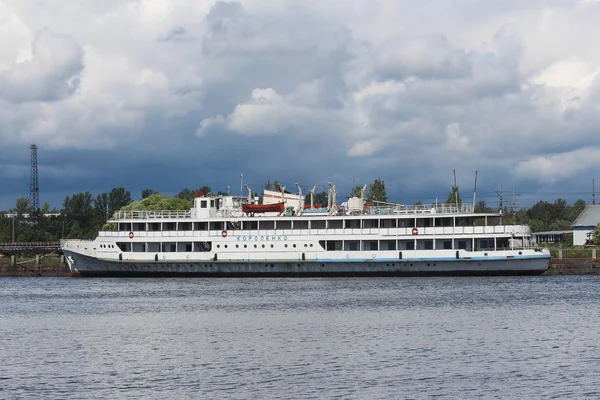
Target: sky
column 169, row 94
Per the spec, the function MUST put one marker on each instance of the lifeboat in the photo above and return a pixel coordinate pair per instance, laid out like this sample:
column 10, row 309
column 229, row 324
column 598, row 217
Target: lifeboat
column 263, row 208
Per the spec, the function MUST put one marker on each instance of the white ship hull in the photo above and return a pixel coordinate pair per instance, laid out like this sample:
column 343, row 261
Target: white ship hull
column 530, row 262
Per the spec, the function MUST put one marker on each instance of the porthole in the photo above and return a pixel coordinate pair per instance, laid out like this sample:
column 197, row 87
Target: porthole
column 245, row 246
column 218, row 246
column 286, row 246
column 263, row 246
column 271, row 246
column 305, row 245
column 225, row 246
column 520, row 252
column 237, row 246
column 255, row 246
column 311, row 245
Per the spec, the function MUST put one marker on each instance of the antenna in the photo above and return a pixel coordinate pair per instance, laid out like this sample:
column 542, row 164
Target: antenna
column 241, row 184
column 34, row 189
column 593, row 192
column 455, row 190
column 474, row 191
column 514, row 206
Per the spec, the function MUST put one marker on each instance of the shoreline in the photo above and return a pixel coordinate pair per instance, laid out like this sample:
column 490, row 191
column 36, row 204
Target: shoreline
column 557, row 267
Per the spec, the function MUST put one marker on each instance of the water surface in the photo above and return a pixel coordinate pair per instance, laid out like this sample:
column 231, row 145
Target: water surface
column 360, row 338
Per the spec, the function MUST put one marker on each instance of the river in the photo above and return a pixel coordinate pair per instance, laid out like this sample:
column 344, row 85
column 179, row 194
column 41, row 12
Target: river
column 362, row 338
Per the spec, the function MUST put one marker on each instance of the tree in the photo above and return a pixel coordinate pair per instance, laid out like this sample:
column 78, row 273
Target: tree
column 481, row 207
column 377, row 191
column 185, row 194
column 21, row 206
column 268, row 185
column 205, row 190
column 147, row 193
column 102, row 205
column 118, row 198
column 158, row 202
column 454, row 197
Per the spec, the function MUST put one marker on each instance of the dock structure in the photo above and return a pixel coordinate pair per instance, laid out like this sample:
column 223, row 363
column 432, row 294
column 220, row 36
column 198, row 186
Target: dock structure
column 30, row 248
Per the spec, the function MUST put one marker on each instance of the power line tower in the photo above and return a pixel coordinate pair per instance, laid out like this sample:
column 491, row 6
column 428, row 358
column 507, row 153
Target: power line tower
column 34, row 188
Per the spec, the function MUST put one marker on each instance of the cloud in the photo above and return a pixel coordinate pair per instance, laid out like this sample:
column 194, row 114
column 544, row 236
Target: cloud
column 551, row 168
column 510, row 89
column 52, row 73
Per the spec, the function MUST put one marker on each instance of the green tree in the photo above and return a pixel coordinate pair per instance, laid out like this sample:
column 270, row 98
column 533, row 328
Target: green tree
column 118, row 198
column 185, row 194
column 454, row 197
column 158, row 202
column 147, row 193
column 21, row 206
column 377, row 191
column 268, row 185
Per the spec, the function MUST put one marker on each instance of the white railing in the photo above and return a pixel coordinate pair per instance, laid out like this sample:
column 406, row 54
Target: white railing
column 418, row 209
column 163, row 214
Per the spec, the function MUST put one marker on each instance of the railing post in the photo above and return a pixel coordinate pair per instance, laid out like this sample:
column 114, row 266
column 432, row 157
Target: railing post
column 560, row 254
column 594, row 253
column 13, row 261
column 37, row 260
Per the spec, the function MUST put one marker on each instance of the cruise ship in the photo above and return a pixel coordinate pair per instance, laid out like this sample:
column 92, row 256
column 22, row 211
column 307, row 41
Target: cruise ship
column 242, row 236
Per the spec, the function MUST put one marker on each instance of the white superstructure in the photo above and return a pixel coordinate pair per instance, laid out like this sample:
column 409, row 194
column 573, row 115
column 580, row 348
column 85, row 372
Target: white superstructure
column 215, row 238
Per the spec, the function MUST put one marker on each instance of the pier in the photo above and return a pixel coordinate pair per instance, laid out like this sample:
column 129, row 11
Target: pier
column 30, row 248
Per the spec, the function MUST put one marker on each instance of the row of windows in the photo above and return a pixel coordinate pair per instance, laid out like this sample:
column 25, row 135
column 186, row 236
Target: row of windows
column 304, row 224
column 329, row 245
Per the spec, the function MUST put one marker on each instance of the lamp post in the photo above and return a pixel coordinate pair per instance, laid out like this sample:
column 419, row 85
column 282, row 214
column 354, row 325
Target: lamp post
column 13, row 228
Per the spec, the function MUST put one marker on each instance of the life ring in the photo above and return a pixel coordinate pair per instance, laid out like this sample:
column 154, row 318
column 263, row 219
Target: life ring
column 224, row 233
column 415, row 231
column 130, row 235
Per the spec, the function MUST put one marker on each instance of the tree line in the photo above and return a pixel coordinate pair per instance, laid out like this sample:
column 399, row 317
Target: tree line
column 82, row 214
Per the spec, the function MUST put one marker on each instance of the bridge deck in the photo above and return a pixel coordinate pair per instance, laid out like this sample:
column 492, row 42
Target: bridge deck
column 30, row 248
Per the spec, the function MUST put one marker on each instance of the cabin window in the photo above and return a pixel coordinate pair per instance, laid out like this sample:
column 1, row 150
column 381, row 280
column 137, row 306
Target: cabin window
column 369, row 245
column 233, row 225
column 352, row 223
column 250, row 225
column 139, row 226
column 443, row 222
column 216, row 226
column 154, row 226
column 184, row 226
column 138, row 247
column 124, row 226
column 388, row 244
column 184, row 247
column 284, row 225
column 462, row 244
column 200, row 226
column 485, row 244
column 203, row 204
column 370, row 223
column 266, row 225
column 169, row 247
column 298, row 224
column 335, row 224
column 202, row 246
column 405, row 223
column 352, row 245
column 317, row 224
column 153, row 247
column 333, row 245
column 124, row 246
column 388, row 223
column 428, row 244
column 212, row 204
column 447, row 244
column 321, row 243
column 168, row 226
